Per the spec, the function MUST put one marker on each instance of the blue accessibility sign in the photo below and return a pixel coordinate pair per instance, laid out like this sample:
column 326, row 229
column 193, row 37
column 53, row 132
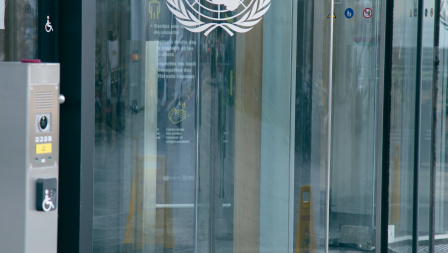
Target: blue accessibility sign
column 349, row 13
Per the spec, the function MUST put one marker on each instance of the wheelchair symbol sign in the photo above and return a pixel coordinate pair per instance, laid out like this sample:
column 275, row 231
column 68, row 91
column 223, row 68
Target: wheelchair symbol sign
column 48, row 27
column 47, row 204
column 349, row 13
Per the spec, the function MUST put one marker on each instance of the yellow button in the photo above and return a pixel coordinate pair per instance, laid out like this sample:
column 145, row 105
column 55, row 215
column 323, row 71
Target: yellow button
column 43, row 148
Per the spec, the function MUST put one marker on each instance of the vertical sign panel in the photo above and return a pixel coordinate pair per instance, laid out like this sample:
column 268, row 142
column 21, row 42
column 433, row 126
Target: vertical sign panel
column 48, row 29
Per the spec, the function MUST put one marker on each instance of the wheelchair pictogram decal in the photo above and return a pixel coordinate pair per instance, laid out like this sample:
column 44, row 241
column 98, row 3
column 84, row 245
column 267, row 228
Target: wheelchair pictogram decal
column 47, row 204
column 48, row 26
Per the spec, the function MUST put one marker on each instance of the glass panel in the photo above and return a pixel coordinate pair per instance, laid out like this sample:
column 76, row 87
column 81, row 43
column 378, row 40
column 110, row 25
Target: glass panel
column 354, row 125
column 19, row 38
column 146, row 112
column 193, row 147
column 441, row 136
column 432, row 153
column 311, row 126
column 426, row 107
column 402, row 125
column 432, row 125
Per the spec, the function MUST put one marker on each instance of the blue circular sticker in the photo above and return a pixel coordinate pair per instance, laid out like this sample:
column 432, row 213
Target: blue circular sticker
column 349, row 13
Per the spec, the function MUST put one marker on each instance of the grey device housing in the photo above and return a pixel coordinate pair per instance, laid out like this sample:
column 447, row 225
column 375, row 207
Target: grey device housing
column 27, row 153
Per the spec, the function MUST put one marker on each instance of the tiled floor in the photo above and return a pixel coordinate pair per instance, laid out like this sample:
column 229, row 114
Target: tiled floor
column 442, row 248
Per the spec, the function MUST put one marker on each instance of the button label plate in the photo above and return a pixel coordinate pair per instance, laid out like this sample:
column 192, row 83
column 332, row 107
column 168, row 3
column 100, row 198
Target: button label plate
column 43, row 148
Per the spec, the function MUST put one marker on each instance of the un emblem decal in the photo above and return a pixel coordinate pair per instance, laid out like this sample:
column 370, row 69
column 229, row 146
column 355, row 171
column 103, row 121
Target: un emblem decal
column 207, row 15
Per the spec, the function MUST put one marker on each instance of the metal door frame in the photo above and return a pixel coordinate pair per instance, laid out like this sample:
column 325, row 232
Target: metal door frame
column 77, row 58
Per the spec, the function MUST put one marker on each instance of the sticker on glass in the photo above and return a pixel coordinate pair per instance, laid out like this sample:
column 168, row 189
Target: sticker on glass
column 349, row 13
column 48, row 26
column 367, row 13
column 230, row 15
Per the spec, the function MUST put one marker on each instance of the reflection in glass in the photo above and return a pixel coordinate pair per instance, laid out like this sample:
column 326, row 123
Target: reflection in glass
column 192, row 146
column 401, row 186
column 145, row 128
column 441, row 137
column 311, row 127
column 194, row 149
column 426, row 107
column 19, row 38
column 354, row 125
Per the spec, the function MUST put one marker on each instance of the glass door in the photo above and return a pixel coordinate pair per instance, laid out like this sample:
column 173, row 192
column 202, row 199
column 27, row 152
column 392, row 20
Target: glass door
column 402, row 133
column 355, row 127
column 417, row 137
column 192, row 129
column 259, row 137
column 439, row 139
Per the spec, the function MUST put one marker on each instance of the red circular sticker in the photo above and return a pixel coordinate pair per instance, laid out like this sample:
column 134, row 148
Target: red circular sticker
column 367, row 13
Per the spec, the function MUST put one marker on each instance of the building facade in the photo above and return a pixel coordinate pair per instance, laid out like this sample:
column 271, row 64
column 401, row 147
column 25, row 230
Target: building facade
column 246, row 126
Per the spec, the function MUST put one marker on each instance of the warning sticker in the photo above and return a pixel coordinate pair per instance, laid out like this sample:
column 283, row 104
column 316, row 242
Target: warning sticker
column 2, row 14
column 367, row 13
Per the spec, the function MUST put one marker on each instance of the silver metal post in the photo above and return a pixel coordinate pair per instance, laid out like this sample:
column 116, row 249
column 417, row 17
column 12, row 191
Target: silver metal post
column 292, row 124
column 330, row 98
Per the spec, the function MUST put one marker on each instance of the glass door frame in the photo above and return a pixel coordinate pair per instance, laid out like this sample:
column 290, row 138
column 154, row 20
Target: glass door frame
column 382, row 207
column 77, row 120
column 383, row 129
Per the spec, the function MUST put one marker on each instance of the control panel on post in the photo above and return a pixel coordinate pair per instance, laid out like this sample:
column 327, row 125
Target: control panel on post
column 29, row 156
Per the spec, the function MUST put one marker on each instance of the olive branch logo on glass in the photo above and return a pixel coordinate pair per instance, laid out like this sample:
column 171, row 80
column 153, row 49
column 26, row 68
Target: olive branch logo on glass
column 231, row 15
